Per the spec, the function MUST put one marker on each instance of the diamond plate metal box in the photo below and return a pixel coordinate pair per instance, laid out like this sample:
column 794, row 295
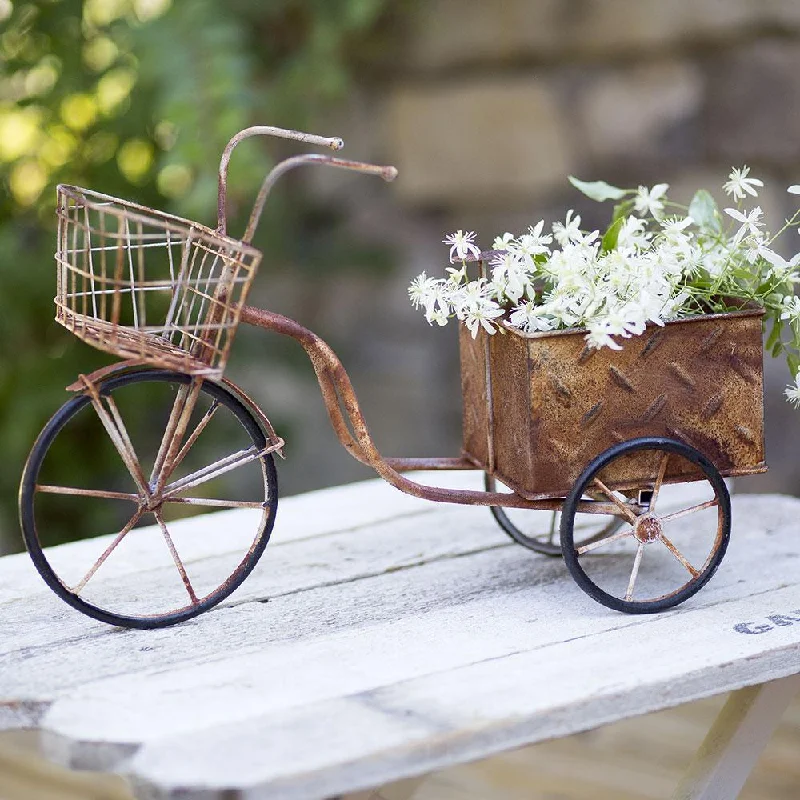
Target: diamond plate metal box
column 539, row 407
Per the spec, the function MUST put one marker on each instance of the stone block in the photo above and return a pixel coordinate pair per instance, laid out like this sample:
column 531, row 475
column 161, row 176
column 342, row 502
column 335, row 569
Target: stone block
column 452, row 32
column 753, row 106
column 643, row 113
column 490, row 137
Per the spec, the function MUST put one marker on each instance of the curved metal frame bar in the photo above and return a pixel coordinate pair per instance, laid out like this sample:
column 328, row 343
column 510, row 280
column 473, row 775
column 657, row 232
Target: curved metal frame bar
column 351, row 429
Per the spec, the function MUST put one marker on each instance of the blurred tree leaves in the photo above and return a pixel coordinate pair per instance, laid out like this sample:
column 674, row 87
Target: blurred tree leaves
column 137, row 98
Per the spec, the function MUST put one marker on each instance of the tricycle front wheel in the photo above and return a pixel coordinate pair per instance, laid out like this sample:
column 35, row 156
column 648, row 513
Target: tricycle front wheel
column 673, row 535
column 100, row 466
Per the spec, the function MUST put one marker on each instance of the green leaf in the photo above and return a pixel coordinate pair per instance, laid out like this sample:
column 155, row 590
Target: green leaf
column 610, row 237
column 622, row 210
column 598, row 190
column 703, row 210
column 774, row 343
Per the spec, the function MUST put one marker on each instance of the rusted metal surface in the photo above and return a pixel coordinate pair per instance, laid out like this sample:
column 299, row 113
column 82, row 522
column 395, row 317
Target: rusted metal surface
column 556, row 404
column 351, row 429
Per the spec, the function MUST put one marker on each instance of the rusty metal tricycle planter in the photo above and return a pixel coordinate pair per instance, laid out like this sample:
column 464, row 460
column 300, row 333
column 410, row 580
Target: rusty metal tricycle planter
column 600, row 434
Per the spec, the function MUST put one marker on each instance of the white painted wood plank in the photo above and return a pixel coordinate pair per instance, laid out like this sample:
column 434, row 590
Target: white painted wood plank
column 738, row 736
column 456, row 643
column 458, row 715
column 54, row 647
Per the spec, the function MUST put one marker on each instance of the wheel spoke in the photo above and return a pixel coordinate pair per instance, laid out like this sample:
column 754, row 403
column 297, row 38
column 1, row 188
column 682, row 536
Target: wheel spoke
column 690, row 510
column 635, row 571
column 74, row 490
column 208, row 501
column 108, row 551
column 593, row 545
column 662, row 470
column 119, row 438
column 176, row 558
column 195, row 433
column 200, row 476
column 552, row 532
column 677, row 553
column 182, row 418
column 169, row 432
column 629, row 515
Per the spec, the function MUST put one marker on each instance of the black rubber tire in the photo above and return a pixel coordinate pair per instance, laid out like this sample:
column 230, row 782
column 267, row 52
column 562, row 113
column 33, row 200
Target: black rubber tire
column 579, row 489
column 33, row 465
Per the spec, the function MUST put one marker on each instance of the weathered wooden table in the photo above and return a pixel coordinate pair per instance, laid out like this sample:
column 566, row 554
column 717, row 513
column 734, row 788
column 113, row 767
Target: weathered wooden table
column 383, row 637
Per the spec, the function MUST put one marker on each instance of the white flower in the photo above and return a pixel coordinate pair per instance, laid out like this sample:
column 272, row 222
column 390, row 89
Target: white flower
column 792, row 392
column 456, row 276
column 482, row 316
column 633, row 233
column 600, row 335
column 462, row 245
column 794, row 189
column 750, row 223
column 672, row 226
column 791, row 308
column 739, row 185
column 780, row 266
column 468, row 297
column 438, row 316
column 533, row 243
column 509, row 276
column 648, row 201
column 422, row 288
column 529, row 317
column 503, row 242
column 569, row 230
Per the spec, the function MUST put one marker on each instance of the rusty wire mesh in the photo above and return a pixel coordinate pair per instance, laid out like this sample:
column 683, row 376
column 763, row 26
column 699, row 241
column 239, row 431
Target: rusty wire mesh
column 146, row 285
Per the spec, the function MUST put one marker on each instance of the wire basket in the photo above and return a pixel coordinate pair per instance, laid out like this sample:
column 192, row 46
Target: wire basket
column 149, row 286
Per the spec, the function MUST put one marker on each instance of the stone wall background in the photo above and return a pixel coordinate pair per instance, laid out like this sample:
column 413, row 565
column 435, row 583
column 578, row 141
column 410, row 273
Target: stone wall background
column 485, row 107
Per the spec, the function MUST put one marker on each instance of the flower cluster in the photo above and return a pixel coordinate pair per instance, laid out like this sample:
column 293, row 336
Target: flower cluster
column 656, row 261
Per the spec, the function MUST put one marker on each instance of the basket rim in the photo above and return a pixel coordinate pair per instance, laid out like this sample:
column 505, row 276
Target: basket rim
column 97, row 200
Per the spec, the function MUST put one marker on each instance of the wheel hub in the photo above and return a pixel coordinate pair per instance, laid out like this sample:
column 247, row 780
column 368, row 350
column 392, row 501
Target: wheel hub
column 647, row 529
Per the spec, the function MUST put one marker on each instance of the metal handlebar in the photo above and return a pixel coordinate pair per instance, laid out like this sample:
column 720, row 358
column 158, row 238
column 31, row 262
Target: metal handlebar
column 388, row 173
column 334, row 142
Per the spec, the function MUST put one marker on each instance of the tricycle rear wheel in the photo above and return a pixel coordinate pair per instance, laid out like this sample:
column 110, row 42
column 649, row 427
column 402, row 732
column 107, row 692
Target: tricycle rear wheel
column 523, row 526
column 668, row 547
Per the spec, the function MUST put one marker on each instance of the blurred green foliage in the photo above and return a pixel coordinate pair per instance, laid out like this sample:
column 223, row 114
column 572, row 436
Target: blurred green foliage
column 137, row 98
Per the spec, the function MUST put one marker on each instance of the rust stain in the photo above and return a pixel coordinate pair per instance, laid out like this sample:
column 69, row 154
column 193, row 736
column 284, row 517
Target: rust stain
column 562, row 390
column 586, row 354
column 712, row 406
column 680, row 373
column 652, row 343
column 742, row 368
column 619, row 378
column 654, row 409
column 682, row 388
column 591, row 415
column 746, row 434
column 709, row 341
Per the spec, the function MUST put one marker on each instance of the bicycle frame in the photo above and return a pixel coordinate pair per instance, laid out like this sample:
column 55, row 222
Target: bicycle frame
column 337, row 390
